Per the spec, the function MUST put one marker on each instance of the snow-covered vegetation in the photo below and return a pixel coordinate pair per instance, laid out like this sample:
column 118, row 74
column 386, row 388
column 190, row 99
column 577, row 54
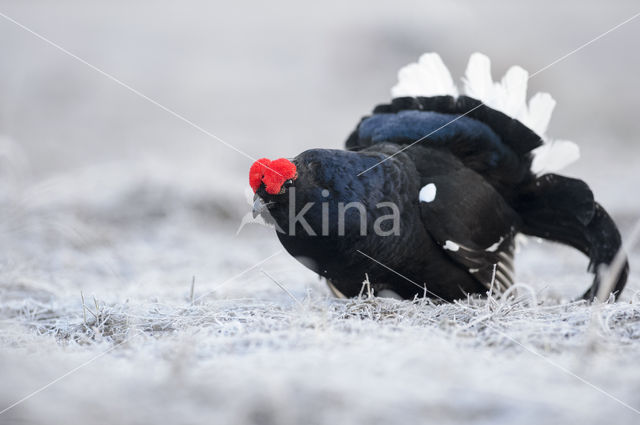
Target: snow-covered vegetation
column 174, row 319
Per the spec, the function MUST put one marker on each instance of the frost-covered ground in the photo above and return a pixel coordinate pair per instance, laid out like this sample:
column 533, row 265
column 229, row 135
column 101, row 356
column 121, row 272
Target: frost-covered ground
column 240, row 350
column 110, row 209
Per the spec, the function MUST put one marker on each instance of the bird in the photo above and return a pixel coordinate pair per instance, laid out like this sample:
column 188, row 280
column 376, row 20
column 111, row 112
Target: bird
column 433, row 189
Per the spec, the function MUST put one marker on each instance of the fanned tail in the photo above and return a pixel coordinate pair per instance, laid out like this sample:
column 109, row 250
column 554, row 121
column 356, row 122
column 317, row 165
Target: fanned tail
column 551, row 206
column 430, row 77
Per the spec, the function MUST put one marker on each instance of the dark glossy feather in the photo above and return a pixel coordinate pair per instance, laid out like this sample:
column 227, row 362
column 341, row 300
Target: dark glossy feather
column 459, row 242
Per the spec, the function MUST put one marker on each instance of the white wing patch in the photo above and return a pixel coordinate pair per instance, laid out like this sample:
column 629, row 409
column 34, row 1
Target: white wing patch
column 451, row 246
column 428, row 193
column 495, row 246
column 430, row 77
column 494, row 270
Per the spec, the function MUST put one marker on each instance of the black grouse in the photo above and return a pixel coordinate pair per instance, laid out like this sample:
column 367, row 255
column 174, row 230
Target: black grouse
column 433, row 188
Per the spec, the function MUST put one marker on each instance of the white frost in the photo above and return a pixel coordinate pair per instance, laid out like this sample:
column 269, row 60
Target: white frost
column 206, row 345
column 451, row 246
column 428, row 193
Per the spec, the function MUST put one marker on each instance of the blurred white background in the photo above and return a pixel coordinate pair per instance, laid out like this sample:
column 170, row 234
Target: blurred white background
column 276, row 78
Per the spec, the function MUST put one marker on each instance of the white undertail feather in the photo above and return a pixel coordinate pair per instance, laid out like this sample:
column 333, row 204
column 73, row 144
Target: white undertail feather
column 430, row 77
column 540, row 110
column 554, row 155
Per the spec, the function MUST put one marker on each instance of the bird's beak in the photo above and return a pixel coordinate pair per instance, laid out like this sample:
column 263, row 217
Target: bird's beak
column 258, row 206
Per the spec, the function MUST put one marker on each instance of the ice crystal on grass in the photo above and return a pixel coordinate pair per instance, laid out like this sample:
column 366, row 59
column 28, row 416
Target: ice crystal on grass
column 110, row 282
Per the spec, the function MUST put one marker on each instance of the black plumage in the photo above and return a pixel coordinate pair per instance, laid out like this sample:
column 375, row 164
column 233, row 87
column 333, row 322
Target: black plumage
column 482, row 193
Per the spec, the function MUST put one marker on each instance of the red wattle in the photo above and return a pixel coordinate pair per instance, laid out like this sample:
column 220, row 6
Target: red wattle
column 272, row 173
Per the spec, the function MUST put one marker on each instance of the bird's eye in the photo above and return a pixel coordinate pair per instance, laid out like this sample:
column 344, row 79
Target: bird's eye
column 288, row 183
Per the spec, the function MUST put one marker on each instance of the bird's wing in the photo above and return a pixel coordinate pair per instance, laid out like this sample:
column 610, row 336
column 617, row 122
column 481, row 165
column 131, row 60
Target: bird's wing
column 472, row 223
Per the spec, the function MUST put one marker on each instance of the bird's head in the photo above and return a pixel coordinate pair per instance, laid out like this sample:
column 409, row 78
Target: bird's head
column 269, row 181
column 321, row 177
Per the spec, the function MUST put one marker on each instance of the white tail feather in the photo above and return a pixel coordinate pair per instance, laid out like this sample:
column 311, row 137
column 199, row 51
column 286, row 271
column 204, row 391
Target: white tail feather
column 541, row 107
column 477, row 81
column 430, row 77
column 513, row 94
column 553, row 156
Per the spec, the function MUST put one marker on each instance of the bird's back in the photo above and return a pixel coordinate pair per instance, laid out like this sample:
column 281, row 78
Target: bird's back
column 494, row 145
column 465, row 173
column 503, row 152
